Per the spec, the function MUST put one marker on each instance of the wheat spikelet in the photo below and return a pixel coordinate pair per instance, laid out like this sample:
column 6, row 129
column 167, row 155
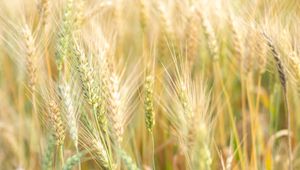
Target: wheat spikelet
column 56, row 122
column 148, row 103
column 30, row 56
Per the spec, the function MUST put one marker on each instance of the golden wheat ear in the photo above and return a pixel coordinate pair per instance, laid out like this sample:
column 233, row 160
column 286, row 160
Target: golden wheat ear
column 30, row 56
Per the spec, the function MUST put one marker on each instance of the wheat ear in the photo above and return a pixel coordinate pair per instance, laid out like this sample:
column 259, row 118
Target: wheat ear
column 56, row 122
column 236, row 40
column 279, row 64
column 114, row 104
column 144, row 18
column 72, row 161
column 129, row 163
column 68, row 103
column 101, row 153
column 191, row 37
column 212, row 41
column 282, row 77
column 48, row 156
column 65, row 36
column 45, row 13
column 148, row 103
column 90, row 88
column 57, row 126
column 30, row 56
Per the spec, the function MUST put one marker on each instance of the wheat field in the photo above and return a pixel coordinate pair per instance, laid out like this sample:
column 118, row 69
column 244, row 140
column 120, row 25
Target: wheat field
column 150, row 84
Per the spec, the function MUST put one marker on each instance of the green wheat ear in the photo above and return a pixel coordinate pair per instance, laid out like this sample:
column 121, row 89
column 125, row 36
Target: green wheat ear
column 148, row 103
column 48, row 156
column 72, row 161
column 65, row 35
column 129, row 163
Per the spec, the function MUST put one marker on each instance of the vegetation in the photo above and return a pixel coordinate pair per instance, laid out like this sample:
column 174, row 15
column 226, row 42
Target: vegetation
column 138, row 84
